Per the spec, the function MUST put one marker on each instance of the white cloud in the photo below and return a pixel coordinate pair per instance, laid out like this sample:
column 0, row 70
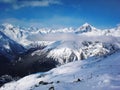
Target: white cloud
column 30, row 3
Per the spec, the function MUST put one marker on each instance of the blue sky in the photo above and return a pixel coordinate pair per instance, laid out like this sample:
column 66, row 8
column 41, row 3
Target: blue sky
column 60, row 13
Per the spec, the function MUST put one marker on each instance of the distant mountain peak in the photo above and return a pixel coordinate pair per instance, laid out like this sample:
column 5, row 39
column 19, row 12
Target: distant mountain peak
column 7, row 25
column 85, row 28
column 86, row 24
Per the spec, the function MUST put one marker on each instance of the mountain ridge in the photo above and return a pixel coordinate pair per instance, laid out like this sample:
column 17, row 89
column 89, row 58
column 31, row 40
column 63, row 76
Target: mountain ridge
column 48, row 49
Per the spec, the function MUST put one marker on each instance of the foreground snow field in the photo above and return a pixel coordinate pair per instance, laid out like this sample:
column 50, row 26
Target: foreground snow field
column 96, row 73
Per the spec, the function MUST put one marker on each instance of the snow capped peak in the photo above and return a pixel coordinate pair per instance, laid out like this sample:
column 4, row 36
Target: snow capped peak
column 7, row 25
column 85, row 28
column 86, row 24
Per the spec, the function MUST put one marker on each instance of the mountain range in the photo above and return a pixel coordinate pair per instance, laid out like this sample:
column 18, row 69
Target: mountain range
column 26, row 51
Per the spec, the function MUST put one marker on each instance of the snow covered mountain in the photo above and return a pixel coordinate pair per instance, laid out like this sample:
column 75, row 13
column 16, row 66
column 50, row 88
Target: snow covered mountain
column 9, row 52
column 91, row 74
column 89, row 30
column 68, row 51
column 89, row 51
column 9, row 48
column 17, row 34
column 61, row 52
column 32, row 36
column 60, row 45
column 85, row 28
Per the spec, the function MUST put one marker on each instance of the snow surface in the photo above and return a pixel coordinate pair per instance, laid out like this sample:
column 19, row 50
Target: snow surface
column 96, row 73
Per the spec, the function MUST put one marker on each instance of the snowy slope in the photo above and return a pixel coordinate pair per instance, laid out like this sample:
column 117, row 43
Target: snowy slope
column 68, row 51
column 101, row 73
column 9, row 48
column 15, row 33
